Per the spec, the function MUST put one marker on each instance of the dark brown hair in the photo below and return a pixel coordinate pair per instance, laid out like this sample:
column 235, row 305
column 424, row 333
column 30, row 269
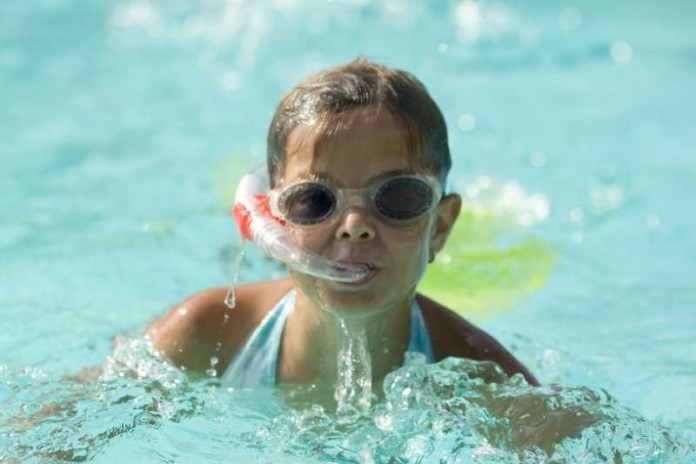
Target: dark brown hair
column 324, row 97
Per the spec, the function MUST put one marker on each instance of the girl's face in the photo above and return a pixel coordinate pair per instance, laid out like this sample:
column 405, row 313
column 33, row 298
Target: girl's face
column 369, row 146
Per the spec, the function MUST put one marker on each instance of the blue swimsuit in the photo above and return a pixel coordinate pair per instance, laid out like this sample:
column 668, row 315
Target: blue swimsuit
column 255, row 365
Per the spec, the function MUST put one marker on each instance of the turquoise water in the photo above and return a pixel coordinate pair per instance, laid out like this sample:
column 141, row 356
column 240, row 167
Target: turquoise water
column 124, row 124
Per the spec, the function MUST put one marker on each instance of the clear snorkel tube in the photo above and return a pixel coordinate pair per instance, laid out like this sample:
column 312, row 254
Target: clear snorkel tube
column 256, row 223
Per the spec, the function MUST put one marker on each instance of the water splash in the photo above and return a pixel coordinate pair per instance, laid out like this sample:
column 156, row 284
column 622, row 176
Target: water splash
column 354, row 385
column 136, row 404
column 507, row 201
column 454, row 411
column 465, row 411
column 230, row 300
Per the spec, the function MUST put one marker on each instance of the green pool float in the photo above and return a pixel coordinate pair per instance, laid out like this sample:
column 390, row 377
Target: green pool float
column 476, row 276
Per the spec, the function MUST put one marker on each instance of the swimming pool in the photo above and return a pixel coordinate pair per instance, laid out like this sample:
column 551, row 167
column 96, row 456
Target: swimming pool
column 125, row 125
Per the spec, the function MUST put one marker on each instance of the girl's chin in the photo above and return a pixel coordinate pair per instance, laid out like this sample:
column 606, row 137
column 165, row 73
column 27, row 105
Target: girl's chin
column 352, row 304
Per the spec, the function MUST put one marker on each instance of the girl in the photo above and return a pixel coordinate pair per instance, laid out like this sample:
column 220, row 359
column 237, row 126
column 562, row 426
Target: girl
column 357, row 165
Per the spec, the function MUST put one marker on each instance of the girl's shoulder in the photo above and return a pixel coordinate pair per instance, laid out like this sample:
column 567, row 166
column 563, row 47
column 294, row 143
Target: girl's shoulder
column 201, row 332
column 452, row 335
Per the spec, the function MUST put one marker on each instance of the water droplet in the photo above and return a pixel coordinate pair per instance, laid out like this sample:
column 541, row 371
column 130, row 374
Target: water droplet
column 537, row 159
column 466, row 122
column 570, row 18
column 550, row 357
column 230, row 299
column 576, row 215
column 606, row 198
column 468, row 14
column 653, row 221
column 384, row 421
column 621, row 52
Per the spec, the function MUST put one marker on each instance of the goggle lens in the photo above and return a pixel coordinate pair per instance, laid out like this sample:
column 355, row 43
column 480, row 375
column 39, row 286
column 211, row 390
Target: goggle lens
column 404, row 198
column 398, row 199
column 307, row 203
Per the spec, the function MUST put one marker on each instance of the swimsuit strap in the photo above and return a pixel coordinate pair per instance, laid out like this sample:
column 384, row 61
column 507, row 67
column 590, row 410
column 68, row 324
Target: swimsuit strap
column 256, row 364
column 420, row 339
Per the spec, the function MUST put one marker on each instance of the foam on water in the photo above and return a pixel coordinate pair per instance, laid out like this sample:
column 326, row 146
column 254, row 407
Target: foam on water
column 454, row 411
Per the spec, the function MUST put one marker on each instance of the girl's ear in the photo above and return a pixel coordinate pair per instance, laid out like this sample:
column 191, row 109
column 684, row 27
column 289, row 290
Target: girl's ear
column 447, row 212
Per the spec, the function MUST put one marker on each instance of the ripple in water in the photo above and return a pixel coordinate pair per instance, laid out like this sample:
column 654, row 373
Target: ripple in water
column 454, row 411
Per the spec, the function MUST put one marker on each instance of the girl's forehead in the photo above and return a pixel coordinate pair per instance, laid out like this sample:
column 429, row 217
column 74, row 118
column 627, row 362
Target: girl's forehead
column 360, row 144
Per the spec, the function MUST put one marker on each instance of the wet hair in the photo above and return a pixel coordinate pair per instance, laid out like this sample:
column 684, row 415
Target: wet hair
column 324, row 98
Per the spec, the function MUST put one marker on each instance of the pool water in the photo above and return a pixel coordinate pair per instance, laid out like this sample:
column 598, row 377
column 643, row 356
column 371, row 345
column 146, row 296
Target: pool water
column 126, row 124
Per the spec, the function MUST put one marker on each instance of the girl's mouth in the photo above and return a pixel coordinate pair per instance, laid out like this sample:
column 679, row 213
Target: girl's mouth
column 371, row 273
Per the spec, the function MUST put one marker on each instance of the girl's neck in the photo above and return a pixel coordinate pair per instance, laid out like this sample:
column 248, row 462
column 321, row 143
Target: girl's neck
column 314, row 338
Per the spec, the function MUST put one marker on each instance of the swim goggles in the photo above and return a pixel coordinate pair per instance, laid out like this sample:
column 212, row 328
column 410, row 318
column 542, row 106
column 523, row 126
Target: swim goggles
column 398, row 200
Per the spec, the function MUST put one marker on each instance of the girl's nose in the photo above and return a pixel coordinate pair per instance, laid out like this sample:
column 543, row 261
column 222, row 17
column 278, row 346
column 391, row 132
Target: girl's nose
column 355, row 226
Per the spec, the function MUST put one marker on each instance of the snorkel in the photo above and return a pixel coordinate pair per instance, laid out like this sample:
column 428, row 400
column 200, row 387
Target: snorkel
column 256, row 223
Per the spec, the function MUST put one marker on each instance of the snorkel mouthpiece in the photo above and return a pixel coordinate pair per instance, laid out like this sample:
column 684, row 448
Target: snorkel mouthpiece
column 256, row 223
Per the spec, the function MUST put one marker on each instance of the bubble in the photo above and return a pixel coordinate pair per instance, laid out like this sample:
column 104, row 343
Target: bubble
column 445, row 258
column 576, row 215
column 468, row 13
column 138, row 15
column 417, row 447
column 577, row 237
column 550, row 357
column 466, row 122
column 472, row 191
column 230, row 81
column 384, row 421
column 621, row 52
column 442, row 47
column 366, row 456
column 507, row 200
column 606, row 198
column 653, row 221
column 570, row 18
column 537, row 159
column 468, row 18
column 397, row 8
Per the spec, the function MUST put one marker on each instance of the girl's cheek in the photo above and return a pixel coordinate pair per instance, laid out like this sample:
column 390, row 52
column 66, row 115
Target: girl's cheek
column 406, row 235
column 313, row 239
